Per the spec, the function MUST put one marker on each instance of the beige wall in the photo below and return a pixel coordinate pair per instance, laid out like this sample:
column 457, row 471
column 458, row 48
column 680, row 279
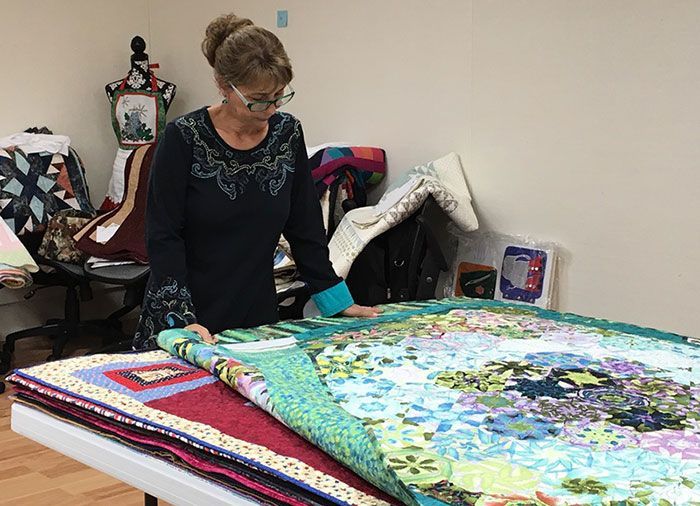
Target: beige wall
column 578, row 121
column 585, row 131
column 366, row 72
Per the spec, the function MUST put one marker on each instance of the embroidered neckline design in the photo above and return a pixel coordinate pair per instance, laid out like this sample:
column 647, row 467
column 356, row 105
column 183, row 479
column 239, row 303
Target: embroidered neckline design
column 268, row 164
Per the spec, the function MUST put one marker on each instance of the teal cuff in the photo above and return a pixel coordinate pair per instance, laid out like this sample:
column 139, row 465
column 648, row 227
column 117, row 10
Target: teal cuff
column 333, row 300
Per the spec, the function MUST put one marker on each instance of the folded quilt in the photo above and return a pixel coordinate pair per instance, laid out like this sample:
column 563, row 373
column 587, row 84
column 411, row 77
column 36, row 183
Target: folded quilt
column 197, row 462
column 16, row 263
column 472, row 402
column 357, row 167
column 13, row 277
column 168, row 408
column 36, row 186
column 366, row 164
column 443, row 179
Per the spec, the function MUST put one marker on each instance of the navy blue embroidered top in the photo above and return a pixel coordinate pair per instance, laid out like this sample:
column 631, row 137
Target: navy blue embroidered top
column 214, row 218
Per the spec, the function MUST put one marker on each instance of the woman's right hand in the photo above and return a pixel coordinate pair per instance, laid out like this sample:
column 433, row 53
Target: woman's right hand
column 203, row 333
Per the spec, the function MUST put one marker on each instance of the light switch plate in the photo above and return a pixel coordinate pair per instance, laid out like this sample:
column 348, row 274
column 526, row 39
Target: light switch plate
column 281, row 19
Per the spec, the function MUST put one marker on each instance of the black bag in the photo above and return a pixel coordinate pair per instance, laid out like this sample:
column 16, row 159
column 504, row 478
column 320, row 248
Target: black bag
column 402, row 264
column 339, row 205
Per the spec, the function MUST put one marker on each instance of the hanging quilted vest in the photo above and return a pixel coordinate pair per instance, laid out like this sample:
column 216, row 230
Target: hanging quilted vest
column 138, row 119
column 138, row 116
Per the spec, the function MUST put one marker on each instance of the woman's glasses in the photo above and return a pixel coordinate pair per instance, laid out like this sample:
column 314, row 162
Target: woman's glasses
column 263, row 105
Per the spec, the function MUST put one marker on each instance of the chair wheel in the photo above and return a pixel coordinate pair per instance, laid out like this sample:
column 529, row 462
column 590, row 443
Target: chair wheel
column 2, row 387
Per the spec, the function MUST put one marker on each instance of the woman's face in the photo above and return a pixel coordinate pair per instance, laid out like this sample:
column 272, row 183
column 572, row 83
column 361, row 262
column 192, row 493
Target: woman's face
column 254, row 93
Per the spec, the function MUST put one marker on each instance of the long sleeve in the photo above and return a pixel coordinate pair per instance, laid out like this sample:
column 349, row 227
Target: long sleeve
column 167, row 302
column 307, row 238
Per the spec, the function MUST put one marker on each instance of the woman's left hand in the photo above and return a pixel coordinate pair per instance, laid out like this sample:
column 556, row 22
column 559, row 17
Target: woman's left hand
column 362, row 311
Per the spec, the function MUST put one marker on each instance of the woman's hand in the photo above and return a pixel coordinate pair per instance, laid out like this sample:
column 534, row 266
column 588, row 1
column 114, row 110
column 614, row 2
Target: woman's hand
column 362, row 311
column 203, row 333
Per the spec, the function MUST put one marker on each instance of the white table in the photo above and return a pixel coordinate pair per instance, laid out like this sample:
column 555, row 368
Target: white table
column 144, row 472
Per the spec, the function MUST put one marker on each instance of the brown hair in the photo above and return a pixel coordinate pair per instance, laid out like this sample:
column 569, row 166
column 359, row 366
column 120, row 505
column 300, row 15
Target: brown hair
column 242, row 53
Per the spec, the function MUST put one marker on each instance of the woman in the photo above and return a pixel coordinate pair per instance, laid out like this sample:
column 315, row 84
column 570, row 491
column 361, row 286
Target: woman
column 226, row 181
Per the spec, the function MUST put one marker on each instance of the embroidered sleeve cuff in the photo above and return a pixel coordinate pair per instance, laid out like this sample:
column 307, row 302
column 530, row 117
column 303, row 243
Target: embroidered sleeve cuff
column 333, row 300
column 167, row 305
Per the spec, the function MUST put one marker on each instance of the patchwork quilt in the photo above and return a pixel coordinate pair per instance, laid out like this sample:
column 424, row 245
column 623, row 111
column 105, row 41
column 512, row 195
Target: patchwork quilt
column 172, row 410
column 474, row 402
column 35, row 186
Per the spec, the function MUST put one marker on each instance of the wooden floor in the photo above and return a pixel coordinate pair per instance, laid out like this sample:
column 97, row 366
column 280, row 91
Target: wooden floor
column 33, row 475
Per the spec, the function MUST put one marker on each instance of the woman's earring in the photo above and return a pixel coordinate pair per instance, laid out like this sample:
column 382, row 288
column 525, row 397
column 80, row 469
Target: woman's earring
column 224, row 101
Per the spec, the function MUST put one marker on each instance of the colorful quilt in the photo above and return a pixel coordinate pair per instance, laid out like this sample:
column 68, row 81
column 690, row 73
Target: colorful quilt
column 172, row 410
column 33, row 187
column 367, row 164
column 473, row 402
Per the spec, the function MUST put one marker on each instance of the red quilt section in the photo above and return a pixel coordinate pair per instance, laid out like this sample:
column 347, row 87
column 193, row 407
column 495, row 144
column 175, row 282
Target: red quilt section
column 217, row 405
column 138, row 379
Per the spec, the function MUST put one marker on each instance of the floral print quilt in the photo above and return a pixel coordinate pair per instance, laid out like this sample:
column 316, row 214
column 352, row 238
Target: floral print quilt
column 473, row 402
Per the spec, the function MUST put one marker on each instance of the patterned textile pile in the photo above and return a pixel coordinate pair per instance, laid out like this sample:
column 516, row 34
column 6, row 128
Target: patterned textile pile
column 364, row 165
column 355, row 168
column 479, row 402
column 284, row 267
column 174, row 411
column 40, row 176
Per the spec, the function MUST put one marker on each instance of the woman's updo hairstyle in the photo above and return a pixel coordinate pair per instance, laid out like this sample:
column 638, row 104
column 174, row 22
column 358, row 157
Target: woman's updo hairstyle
column 242, row 53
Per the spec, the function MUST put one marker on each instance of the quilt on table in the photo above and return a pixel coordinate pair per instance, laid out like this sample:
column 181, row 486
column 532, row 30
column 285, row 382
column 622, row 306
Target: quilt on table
column 167, row 406
column 159, row 448
column 480, row 402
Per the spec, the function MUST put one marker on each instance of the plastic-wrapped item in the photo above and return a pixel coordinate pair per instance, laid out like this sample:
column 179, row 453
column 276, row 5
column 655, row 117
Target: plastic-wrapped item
column 489, row 265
